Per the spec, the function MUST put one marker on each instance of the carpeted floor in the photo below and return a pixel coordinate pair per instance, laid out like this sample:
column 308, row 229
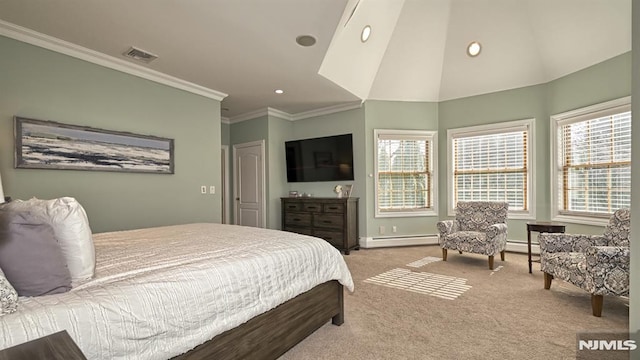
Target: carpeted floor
column 501, row 314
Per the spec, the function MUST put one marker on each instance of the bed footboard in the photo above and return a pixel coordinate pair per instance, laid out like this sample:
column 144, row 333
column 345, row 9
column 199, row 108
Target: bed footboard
column 271, row 334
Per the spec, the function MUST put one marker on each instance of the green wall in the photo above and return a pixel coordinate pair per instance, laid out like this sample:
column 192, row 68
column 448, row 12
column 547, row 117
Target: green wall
column 279, row 131
column 346, row 122
column 395, row 115
column 225, row 134
column 601, row 82
column 41, row 84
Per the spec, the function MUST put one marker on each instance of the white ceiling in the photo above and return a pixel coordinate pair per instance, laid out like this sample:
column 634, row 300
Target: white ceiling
column 247, row 48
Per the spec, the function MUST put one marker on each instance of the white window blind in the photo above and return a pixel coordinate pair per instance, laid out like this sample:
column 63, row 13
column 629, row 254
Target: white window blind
column 492, row 166
column 404, row 171
column 596, row 164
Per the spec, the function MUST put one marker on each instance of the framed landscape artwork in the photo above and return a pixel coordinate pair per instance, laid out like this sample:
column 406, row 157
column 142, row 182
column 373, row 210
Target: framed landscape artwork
column 43, row 144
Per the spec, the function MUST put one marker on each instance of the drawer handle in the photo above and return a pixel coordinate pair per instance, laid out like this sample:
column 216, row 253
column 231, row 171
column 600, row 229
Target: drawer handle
column 296, row 219
column 291, row 207
column 327, row 221
column 333, row 208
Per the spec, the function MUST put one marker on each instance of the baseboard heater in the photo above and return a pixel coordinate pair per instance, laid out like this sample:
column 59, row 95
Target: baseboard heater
column 432, row 239
column 400, row 240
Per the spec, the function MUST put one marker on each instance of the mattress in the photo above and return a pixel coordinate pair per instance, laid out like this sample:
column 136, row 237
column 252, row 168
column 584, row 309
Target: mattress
column 159, row 292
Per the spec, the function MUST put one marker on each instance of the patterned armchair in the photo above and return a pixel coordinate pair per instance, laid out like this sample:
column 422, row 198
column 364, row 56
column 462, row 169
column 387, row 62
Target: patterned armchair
column 598, row 264
column 480, row 227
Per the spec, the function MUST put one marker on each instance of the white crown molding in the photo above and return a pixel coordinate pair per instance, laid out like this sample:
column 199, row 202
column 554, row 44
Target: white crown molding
column 249, row 116
column 225, row 120
column 326, row 110
column 64, row 47
column 279, row 114
column 260, row 113
column 298, row 116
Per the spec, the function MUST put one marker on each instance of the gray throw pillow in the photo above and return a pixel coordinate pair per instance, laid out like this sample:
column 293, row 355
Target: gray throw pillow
column 30, row 255
column 8, row 296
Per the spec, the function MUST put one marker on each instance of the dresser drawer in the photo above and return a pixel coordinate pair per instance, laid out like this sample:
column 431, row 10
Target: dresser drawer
column 299, row 230
column 292, row 206
column 333, row 208
column 312, row 207
column 333, row 237
column 330, row 221
column 301, row 219
column 333, row 219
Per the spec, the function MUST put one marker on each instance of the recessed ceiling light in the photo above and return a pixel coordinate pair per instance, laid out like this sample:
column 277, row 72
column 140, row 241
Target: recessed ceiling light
column 306, row 40
column 366, row 32
column 473, row 49
column 278, row 91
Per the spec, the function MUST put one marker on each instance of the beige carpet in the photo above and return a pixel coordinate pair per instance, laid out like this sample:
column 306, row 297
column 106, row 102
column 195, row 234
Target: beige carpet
column 504, row 314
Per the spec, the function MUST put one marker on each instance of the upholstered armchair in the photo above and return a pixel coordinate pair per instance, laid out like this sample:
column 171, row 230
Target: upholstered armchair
column 480, row 227
column 598, row 264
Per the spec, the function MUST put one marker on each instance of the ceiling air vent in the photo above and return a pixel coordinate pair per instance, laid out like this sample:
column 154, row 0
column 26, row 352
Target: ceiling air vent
column 140, row 55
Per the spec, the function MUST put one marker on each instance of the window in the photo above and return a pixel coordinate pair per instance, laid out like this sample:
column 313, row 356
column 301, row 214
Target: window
column 404, row 163
column 492, row 163
column 592, row 161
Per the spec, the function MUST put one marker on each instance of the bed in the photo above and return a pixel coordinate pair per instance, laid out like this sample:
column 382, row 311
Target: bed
column 192, row 291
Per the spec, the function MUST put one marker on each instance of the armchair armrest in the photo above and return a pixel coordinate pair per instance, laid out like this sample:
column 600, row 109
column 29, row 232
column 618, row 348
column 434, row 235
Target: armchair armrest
column 608, row 269
column 446, row 227
column 613, row 255
column 552, row 243
column 495, row 230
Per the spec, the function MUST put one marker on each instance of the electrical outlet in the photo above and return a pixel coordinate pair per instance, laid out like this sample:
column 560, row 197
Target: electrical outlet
column 203, row 189
column 382, row 229
column 394, row 229
column 212, row 189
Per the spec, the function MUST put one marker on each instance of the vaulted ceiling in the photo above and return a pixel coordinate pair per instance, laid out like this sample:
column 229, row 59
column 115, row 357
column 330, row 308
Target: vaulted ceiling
column 416, row 52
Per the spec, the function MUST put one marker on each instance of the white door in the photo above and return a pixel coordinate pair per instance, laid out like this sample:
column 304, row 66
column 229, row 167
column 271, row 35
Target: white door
column 249, row 189
column 224, row 162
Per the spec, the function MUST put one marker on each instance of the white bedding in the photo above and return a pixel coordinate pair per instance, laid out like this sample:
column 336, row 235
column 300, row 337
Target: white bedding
column 159, row 292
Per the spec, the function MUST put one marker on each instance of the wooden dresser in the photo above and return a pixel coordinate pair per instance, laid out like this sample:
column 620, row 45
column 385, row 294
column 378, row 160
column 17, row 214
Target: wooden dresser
column 332, row 219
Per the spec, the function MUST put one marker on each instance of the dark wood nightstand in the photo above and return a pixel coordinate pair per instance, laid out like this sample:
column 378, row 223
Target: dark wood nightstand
column 58, row 346
column 541, row 227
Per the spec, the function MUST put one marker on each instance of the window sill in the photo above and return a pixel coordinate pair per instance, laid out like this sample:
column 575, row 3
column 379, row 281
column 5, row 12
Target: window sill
column 584, row 220
column 407, row 214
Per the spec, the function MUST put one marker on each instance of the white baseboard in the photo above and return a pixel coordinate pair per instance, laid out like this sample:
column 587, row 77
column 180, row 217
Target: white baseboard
column 389, row 241
column 432, row 239
column 521, row 247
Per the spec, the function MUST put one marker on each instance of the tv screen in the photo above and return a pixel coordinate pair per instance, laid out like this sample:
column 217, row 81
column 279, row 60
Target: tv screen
column 327, row 158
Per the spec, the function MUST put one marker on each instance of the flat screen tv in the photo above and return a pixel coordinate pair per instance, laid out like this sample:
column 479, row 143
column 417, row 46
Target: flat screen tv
column 327, row 158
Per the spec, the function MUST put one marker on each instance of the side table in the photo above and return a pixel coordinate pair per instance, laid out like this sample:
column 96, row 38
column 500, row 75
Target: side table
column 541, row 227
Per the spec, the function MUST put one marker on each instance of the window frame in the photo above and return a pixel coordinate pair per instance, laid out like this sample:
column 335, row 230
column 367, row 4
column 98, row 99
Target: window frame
column 557, row 192
column 432, row 137
column 489, row 129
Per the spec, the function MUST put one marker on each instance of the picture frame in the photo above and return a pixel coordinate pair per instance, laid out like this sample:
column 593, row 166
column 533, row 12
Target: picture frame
column 347, row 190
column 43, row 144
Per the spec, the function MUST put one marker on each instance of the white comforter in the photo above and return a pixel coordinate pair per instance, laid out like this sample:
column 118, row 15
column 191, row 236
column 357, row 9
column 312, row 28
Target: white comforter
column 159, row 292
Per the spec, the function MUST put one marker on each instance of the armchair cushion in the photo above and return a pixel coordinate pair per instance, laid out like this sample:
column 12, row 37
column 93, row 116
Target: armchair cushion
column 553, row 243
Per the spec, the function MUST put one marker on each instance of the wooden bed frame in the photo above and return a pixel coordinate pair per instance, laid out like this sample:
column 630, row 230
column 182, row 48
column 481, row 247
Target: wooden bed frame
column 271, row 334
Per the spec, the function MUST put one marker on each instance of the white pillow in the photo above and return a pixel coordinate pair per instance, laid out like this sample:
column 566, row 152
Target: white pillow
column 70, row 228
column 8, row 296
